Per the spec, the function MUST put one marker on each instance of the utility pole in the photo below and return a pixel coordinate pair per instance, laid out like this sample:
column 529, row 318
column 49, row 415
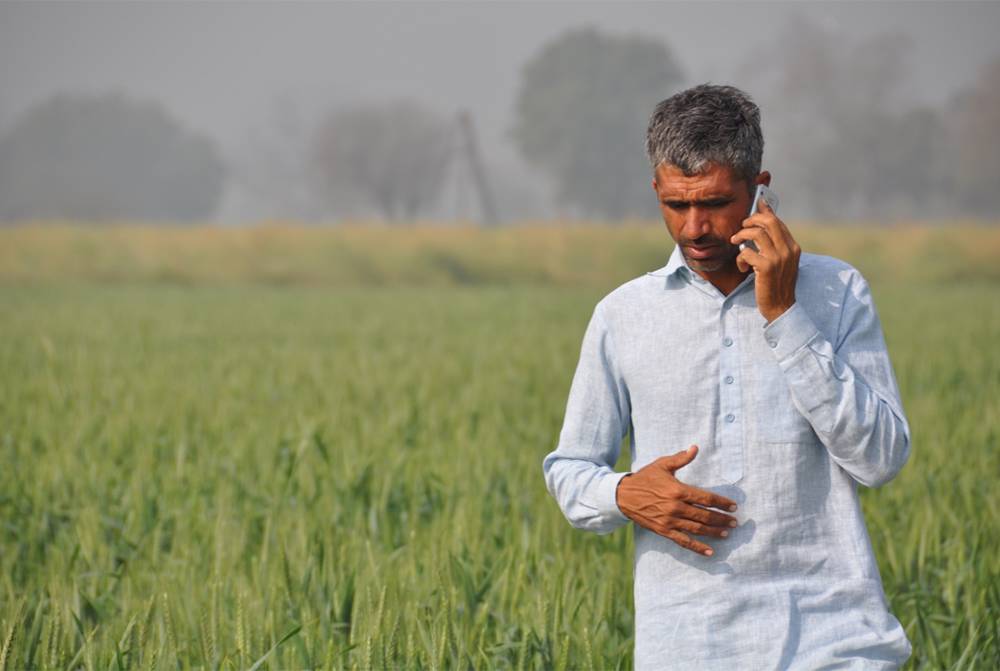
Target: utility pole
column 471, row 150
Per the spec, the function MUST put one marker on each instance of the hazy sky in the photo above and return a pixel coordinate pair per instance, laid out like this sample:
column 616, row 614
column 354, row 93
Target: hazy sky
column 221, row 66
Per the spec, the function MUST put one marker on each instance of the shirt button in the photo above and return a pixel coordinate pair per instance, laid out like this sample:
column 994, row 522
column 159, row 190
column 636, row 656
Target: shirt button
column 729, row 379
column 772, row 343
column 727, row 341
column 730, row 418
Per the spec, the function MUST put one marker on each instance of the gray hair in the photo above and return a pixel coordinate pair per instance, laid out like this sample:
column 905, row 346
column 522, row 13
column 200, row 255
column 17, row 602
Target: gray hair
column 707, row 123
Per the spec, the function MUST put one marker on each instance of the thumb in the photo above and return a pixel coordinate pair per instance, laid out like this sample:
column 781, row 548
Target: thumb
column 680, row 459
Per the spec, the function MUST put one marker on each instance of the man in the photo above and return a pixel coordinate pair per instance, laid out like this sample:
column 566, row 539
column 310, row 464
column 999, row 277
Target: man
column 750, row 547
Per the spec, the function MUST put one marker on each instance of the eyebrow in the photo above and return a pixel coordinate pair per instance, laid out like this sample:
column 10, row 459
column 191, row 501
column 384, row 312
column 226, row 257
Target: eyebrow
column 710, row 200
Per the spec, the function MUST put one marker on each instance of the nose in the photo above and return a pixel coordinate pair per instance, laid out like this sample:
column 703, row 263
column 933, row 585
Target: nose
column 696, row 223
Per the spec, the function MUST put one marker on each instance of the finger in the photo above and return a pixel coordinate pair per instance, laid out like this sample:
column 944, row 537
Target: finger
column 761, row 236
column 750, row 258
column 742, row 265
column 786, row 235
column 705, row 516
column 779, row 231
column 701, row 529
column 678, row 460
column 775, row 227
column 707, row 499
column 689, row 543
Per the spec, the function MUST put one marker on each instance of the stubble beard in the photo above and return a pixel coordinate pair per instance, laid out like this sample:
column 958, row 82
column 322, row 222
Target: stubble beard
column 712, row 265
column 706, row 266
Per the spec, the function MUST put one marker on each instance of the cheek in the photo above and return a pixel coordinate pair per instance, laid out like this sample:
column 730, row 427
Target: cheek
column 673, row 223
column 729, row 222
column 669, row 218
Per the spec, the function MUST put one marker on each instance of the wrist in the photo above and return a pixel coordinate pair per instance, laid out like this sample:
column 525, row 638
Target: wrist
column 618, row 489
column 773, row 313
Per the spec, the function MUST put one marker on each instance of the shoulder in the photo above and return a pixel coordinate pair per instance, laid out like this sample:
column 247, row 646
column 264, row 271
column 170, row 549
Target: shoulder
column 823, row 265
column 835, row 294
column 628, row 297
column 822, row 272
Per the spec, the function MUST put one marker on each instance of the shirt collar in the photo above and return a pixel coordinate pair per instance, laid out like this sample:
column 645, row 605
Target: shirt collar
column 678, row 273
column 676, row 264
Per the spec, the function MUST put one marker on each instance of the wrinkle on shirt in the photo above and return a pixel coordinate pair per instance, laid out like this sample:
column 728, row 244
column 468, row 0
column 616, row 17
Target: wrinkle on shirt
column 789, row 416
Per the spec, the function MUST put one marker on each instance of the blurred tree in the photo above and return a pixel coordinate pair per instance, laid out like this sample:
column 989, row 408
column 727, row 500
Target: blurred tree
column 975, row 119
column 581, row 116
column 106, row 157
column 392, row 156
column 845, row 144
column 271, row 167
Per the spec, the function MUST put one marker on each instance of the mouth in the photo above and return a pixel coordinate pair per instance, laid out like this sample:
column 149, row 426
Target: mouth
column 701, row 251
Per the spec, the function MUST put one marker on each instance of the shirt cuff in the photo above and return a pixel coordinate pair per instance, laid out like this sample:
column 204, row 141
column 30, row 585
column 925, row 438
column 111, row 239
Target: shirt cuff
column 607, row 497
column 790, row 332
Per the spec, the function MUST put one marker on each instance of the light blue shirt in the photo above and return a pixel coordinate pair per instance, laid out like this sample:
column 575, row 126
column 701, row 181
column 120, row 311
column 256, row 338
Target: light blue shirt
column 789, row 417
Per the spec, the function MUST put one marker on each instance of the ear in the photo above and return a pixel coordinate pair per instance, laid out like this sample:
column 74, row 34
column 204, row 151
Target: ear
column 654, row 184
column 763, row 178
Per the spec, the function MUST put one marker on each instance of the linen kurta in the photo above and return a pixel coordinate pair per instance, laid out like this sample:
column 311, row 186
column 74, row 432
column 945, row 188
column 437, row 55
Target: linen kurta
column 789, row 417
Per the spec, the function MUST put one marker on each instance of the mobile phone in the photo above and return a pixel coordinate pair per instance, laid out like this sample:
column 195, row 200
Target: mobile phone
column 772, row 200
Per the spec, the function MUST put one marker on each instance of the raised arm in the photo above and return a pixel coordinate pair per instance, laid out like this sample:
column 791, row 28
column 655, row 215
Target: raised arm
column 579, row 473
column 846, row 390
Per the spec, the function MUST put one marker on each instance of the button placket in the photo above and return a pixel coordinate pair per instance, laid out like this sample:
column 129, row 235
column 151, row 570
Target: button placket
column 730, row 428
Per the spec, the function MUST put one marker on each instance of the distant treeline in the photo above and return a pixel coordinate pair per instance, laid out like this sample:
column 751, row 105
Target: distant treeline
column 842, row 141
column 571, row 254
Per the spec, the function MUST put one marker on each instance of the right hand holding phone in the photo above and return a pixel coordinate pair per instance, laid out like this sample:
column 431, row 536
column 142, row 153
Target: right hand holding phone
column 655, row 499
column 776, row 260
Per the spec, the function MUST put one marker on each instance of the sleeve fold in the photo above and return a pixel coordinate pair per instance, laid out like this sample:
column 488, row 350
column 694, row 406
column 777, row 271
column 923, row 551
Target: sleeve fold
column 580, row 473
column 849, row 393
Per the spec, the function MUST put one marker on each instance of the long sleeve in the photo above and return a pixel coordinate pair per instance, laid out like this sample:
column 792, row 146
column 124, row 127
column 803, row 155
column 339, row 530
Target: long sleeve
column 580, row 472
column 846, row 390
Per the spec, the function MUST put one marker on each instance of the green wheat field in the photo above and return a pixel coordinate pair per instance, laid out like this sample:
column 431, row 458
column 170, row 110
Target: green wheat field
column 284, row 447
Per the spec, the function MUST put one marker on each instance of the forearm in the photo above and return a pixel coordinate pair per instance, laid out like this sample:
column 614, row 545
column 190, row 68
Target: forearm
column 862, row 427
column 579, row 473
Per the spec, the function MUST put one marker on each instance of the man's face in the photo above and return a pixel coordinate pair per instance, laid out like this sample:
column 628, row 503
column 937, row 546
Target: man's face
column 703, row 211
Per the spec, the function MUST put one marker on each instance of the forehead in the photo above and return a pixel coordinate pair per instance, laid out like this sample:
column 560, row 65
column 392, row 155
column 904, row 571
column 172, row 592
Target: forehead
column 716, row 180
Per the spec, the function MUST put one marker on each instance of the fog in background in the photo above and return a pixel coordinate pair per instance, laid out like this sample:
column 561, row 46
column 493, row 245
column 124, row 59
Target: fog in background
column 877, row 111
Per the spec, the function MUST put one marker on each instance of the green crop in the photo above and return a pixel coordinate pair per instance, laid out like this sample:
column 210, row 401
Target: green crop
column 257, row 476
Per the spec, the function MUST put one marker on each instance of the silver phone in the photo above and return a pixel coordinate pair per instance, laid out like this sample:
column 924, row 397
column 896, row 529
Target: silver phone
column 772, row 200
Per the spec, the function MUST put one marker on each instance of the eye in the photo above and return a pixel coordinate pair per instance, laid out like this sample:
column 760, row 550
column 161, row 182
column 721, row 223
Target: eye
column 716, row 204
